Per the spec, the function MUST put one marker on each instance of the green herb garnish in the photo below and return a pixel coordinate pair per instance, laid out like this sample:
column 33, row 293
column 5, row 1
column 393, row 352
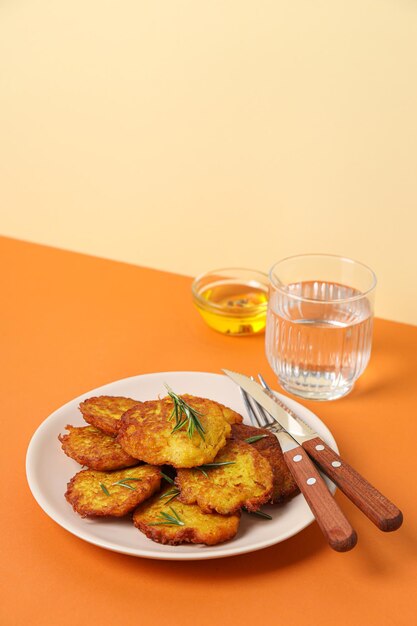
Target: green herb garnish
column 208, row 466
column 259, row 514
column 185, row 414
column 169, row 520
column 168, row 478
column 104, row 488
column 255, row 438
column 124, row 483
column 171, row 492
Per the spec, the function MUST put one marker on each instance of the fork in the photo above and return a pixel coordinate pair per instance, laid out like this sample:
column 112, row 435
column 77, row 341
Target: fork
column 331, row 520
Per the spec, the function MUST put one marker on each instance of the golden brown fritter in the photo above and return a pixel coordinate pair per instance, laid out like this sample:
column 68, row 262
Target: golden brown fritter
column 247, row 482
column 91, row 447
column 146, row 433
column 112, row 493
column 284, row 485
column 229, row 415
column 104, row 412
column 193, row 526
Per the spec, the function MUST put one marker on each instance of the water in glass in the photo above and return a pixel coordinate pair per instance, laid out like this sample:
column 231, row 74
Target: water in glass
column 317, row 342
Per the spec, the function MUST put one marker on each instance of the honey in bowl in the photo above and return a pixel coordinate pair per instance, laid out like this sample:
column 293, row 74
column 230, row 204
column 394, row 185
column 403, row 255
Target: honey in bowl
column 232, row 302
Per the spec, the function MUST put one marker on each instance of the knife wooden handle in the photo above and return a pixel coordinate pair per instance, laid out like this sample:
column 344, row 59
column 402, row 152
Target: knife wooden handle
column 369, row 500
column 334, row 525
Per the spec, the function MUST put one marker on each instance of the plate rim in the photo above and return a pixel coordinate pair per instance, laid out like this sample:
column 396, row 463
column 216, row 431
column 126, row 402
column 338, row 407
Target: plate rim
column 208, row 553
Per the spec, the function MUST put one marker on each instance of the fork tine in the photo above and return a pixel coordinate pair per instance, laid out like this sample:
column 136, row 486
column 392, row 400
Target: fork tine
column 268, row 388
column 253, row 413
column 262, row 417
column 249, row 408
column 264, row 383
column 266, row 419
column 258, row 416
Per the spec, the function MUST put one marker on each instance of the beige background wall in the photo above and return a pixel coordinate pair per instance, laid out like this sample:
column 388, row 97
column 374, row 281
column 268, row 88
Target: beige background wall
column 186, row 135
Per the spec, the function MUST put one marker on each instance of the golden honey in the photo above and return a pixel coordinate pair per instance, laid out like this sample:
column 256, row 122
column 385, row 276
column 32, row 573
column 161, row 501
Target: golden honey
column 231, row 305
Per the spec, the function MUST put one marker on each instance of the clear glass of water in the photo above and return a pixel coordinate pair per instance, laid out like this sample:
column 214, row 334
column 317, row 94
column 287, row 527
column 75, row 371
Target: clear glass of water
column 319, row 324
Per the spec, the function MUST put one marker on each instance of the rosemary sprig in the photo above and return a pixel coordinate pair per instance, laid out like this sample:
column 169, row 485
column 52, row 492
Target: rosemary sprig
column 255, row 438
column 185, row 414
column 124, row 483
column 259, row 514
column 169, row 520
column 208, row 466
column 174, row 492
column 104, row 488
column 167, row 478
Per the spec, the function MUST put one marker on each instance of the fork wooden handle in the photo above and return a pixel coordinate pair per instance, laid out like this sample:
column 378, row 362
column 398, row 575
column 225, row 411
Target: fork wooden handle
column 334, row 525
column 369, row 500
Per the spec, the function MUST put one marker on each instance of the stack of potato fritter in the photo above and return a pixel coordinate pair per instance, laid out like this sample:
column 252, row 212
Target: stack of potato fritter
column 186, row 466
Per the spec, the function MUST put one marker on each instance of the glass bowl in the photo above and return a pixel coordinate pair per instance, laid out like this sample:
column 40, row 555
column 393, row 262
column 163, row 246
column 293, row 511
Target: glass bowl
column 232, row 301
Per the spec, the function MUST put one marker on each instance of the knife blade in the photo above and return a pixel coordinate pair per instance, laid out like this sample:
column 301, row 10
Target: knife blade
column 381, row 511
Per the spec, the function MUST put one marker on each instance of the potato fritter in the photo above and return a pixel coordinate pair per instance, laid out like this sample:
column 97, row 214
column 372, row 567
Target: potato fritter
column 91, row 447
column 104, row 412
column 146, row 433
column 246, row 482
column 284, row 485
column 193, row 526
column 229, row 415
column 112, row 493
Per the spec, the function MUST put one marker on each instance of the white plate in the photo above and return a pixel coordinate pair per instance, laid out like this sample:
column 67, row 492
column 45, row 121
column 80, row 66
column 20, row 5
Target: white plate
column 48, row 470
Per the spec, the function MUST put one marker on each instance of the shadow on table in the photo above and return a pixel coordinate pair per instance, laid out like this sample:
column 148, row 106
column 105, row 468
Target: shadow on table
column 389, row 368
column 369, row 556
column 283, row 555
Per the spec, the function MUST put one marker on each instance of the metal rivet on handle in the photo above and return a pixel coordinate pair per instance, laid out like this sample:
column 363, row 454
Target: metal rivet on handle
column 311, row 481
column 336, row 463
column 320, row 447
column 297, row 458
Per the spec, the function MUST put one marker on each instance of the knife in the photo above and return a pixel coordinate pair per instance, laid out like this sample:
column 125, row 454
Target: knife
column 367, row 498
column 331, row 520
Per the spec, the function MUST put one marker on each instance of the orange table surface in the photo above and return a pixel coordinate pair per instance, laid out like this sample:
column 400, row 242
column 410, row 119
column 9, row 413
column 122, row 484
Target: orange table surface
column 71, row 322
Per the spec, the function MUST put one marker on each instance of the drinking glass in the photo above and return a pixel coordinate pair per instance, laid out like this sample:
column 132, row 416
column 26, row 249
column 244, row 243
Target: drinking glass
column 319, row 324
